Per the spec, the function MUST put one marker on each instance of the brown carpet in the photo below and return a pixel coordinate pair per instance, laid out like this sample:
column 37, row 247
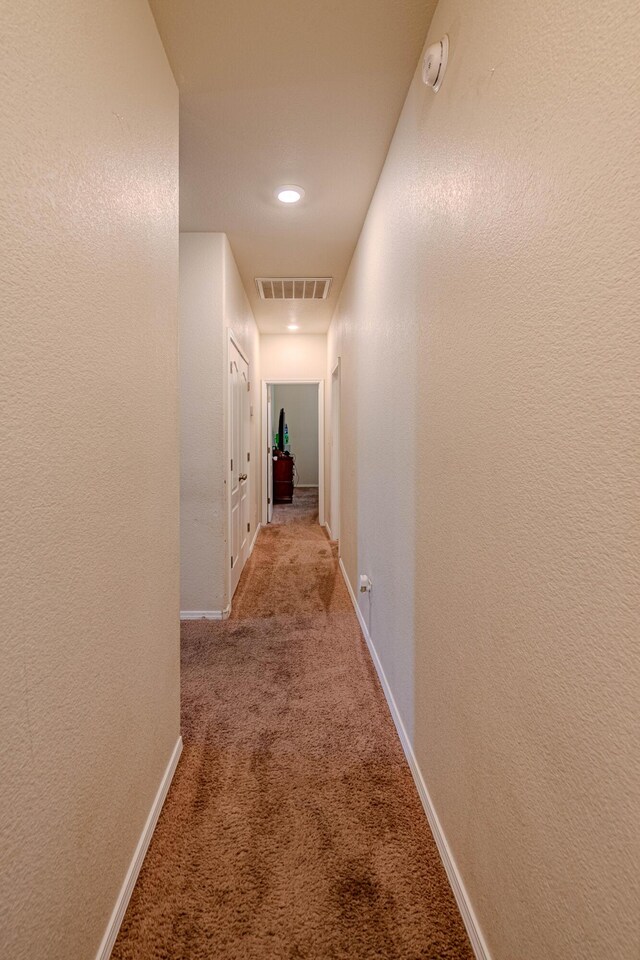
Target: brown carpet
column 293, row 828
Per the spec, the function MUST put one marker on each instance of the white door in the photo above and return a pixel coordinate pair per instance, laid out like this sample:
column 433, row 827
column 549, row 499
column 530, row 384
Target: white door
column 239, row 425
column 269, row 453
column 335, row 453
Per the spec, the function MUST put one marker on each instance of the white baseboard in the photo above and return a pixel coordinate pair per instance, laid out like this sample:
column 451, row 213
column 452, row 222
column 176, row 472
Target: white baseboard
column 459, row 891
column 206, row 614
column 217, row 614
column 306, row 486
column 328, row 529
column 120, row 908
column 255, row 537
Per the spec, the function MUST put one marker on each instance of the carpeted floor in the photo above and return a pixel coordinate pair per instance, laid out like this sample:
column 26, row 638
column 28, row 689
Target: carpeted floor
column 293, row 828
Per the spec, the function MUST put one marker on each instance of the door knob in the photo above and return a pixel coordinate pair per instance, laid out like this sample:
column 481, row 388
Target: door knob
column 243, row 476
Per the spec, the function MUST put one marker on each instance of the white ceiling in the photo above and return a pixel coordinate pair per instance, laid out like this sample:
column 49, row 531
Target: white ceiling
column 277, row 92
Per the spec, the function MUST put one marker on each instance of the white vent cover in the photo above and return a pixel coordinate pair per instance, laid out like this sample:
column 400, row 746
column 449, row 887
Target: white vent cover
column 293, row 288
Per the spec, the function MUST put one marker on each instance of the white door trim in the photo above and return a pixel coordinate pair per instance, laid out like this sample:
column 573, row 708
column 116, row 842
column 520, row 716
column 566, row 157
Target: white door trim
column 265, row 441
column 336, row 452
column 268, row 480
column 231, row 339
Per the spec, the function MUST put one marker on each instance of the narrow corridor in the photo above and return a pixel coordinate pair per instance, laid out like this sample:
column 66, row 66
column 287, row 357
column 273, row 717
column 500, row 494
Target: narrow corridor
column 293, row 828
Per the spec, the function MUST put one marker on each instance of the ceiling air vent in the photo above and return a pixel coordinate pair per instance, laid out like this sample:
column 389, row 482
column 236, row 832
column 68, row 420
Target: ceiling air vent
column 293, row 288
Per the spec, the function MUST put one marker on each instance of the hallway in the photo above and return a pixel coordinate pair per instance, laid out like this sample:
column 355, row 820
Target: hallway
column 401, row 722
column 293, row 828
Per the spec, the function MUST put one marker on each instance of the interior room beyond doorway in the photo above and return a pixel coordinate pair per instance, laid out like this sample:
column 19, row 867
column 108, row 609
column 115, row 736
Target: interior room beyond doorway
column 293, row 447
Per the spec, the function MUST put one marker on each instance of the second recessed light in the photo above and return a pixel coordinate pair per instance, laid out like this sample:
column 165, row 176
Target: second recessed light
column 289, row 193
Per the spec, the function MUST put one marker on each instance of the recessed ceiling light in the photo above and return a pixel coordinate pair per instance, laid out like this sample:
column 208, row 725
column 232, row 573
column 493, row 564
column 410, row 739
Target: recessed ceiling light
column 292, row 326
column 289, row 193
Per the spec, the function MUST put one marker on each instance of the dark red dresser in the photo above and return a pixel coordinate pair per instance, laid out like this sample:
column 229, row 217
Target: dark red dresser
column 282, row 479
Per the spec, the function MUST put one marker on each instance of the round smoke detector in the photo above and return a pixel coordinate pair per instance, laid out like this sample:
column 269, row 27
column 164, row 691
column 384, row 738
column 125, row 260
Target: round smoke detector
column 435, row 63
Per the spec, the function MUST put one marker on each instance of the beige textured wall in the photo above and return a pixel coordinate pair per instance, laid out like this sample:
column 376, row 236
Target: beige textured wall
column 300, row 402
column 212, row 302
column 489, row 336
column 297, row 356
column 89, row 683
column 203, row 580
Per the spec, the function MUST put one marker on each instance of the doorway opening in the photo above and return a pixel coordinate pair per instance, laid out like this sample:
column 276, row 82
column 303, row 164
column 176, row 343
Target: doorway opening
column 293, row 447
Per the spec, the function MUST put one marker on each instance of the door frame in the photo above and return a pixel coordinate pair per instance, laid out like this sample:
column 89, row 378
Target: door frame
column 268, row 480
column 334, row 465
column 231, row 339
column 265, row 443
